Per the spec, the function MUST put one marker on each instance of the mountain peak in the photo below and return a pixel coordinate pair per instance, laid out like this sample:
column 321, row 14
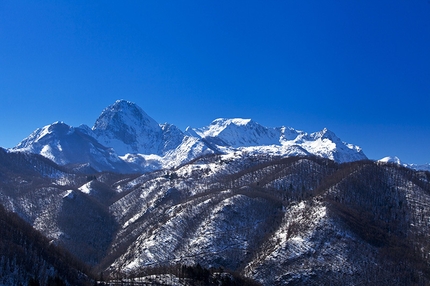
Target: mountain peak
column 396, row 160
column 120, row 113
column 47, row 133
column 325, row 134
column 238, row 132
column 123, row 102
column 128, row 129
column 389, row 159
column 234, row 121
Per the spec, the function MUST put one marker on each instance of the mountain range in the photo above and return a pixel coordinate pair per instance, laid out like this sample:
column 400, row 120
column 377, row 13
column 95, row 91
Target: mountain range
column 132, row 201
column 125, row 139
column 396, row 160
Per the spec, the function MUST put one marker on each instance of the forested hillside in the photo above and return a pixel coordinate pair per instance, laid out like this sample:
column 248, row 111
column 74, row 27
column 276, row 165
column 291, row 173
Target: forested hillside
column 276, row 221
column 27, row 257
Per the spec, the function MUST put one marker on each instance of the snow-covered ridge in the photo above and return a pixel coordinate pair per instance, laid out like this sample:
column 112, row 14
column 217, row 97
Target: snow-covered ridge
column 238, row 132
column 125, row 139
column 248, row 135
column 396, row 160
column 389, row 159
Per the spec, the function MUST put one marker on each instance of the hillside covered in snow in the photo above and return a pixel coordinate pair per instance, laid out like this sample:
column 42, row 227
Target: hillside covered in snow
column 125, row 139
column 302, row 220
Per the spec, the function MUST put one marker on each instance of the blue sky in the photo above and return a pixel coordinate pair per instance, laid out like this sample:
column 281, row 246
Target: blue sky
column 359, row 68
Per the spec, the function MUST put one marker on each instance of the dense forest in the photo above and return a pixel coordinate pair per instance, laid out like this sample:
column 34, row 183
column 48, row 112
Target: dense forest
column 28, row 258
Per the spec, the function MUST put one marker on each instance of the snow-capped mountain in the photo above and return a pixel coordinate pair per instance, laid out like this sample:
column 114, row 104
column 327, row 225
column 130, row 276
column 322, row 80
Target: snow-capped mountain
column 125, row 139
column 278, row 221
column 247, row 135
column 237, row 133
column 393, row 160
column 128, row 129
column 422, row 167
column 66, row 145
column 396, row 160
column 327, row 145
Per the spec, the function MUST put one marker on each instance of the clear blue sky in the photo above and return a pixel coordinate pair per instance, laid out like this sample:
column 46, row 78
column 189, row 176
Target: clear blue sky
column 359, row 68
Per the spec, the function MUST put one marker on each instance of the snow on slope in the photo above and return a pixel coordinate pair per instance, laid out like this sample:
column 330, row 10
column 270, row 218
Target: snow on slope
column 144, row 145
column 327, row 145
column 249, row 136
column 236, row 227
column 235, row 211
column 396, row 160
column 238, row 132
column 128, row 129
column 307, row 241
column 423, row 167
column 64, row 145
column 190, row 148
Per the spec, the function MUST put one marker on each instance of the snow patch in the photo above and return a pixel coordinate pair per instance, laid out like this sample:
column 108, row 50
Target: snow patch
column 69, row 194
column 86, row 188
